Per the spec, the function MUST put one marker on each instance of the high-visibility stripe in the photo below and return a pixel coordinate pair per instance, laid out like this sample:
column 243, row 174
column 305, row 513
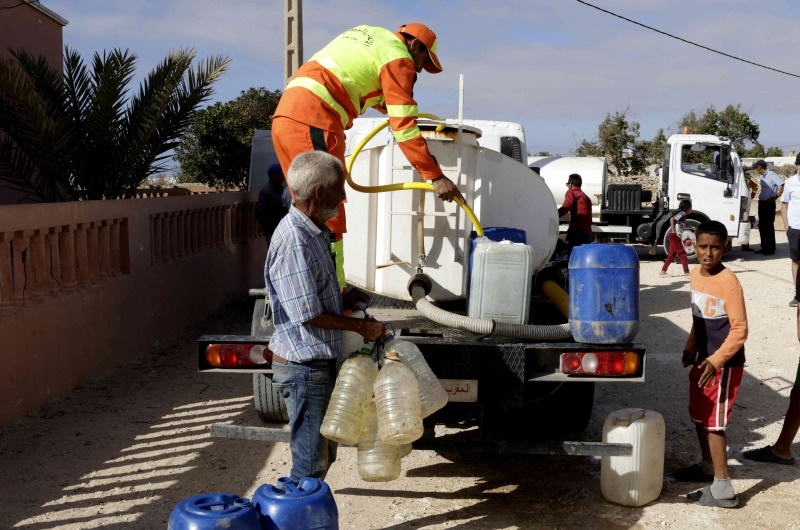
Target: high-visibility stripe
column 402, row 111
column 406, row 134
column 322, row 93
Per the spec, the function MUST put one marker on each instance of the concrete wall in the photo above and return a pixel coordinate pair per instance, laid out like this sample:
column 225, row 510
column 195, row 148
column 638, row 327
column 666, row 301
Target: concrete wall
column 86, row 286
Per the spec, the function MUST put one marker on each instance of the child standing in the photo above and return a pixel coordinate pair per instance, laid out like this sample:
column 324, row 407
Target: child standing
column 678, row 223
column 715, row 349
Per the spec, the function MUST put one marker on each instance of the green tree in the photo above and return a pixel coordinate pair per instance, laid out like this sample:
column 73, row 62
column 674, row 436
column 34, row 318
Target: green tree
column 757, row 151
column 81, row 135
column 617, row 140
column 216, row 148
column 544, row 153
column 732, row 122
column 774, row 151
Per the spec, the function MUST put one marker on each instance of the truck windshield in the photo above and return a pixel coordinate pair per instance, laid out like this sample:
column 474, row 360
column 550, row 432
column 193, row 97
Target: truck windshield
column 703, row 163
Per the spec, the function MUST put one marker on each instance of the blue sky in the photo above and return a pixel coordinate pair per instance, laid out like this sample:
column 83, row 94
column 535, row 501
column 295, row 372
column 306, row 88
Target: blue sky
column 555, row 66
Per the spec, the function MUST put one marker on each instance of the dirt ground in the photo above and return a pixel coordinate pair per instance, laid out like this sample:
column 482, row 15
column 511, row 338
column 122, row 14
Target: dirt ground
column 121, row 452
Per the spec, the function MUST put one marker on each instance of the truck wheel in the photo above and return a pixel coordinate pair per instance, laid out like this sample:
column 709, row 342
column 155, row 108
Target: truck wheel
column 269, row 403
column 689, row 238
column 557, row 409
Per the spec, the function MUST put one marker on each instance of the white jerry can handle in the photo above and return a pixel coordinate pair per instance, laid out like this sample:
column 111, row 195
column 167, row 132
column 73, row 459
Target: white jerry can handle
column 626, row 421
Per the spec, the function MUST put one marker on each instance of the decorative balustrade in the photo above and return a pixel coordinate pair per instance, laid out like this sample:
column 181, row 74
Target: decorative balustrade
column 41, row 263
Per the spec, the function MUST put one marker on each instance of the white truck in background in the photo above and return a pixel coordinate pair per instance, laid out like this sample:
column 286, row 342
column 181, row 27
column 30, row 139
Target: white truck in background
column 703, row 168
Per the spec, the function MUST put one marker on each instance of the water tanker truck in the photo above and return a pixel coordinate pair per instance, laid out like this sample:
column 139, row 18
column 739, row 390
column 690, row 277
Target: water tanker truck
column 492, row 318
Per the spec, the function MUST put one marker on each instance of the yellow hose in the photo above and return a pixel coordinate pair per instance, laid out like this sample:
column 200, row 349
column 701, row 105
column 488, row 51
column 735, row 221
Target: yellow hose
column 404, row 185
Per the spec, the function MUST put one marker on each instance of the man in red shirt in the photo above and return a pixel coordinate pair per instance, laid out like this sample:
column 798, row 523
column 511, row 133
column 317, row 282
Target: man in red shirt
column 579, row 206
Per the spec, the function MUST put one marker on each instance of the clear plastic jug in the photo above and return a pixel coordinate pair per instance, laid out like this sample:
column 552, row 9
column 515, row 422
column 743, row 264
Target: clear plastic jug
column 637, row 479
column 353, row 389
column 377, row 460
column 405, row 449
column 432, row 395
column 397, row 403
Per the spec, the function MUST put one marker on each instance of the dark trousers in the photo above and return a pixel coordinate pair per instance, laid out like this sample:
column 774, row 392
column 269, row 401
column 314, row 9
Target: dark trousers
column 766, row 225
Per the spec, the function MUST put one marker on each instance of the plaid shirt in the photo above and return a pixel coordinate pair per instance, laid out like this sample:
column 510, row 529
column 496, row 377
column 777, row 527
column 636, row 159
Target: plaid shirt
column 301, row 284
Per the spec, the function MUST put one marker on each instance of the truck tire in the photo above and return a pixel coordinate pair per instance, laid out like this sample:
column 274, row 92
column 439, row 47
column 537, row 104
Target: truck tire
column 269, row 403
column 555, row 410
column 688, row 234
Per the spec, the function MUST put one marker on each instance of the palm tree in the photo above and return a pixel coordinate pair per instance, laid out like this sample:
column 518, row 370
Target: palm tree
column 81, row 135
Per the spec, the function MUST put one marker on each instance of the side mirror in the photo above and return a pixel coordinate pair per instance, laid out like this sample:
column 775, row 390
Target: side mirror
column 658, row 171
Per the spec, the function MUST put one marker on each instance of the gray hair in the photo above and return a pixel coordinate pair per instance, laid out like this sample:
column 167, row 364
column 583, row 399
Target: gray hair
column 311, row 169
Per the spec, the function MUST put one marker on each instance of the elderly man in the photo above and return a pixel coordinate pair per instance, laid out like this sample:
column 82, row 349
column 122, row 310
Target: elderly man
column 771, row 190
column 307, row 307
column 363, row 67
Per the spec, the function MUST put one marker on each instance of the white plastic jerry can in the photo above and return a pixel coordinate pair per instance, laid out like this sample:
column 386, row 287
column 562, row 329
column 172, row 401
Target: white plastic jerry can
column 502, row 275
column 637, row 479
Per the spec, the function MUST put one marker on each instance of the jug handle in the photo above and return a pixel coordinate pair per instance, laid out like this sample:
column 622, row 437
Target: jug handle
column 638, row 414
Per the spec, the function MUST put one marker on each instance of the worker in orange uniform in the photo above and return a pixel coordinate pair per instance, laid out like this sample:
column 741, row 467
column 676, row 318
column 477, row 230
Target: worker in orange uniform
column 363, row 67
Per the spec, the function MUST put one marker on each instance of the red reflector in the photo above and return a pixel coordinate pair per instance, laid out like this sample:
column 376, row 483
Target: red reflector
column 600, row 363
column 235, row 355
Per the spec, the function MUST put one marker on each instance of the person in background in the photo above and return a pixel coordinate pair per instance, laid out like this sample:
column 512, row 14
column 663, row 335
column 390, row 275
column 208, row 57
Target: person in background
column 790, row 213
column 579, row 206
column 271, row 205
column 307, row 307
column 678, row 223
column 771, row 190
column 363, row 67
column 781, row 451
column 715, row 350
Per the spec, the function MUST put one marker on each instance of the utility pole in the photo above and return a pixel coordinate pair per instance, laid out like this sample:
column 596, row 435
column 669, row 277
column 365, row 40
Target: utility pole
column 293, row 35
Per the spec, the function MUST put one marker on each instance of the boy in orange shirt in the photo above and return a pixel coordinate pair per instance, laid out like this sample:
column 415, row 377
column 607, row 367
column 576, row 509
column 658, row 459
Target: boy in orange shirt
column 715, row 349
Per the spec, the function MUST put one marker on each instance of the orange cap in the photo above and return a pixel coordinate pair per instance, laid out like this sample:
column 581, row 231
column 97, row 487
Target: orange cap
column 428, row 38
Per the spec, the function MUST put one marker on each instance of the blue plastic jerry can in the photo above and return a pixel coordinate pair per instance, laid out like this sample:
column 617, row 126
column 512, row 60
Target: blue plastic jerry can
column 214, row 511
column 604, row 293
column 307, row 506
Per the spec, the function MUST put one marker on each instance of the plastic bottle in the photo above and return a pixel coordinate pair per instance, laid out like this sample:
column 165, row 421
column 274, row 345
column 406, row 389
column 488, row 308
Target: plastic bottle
column 351, row 341
column 432, row 395
column 377, row 460
column 404, row 449
column 353, row 389
column 397, row 403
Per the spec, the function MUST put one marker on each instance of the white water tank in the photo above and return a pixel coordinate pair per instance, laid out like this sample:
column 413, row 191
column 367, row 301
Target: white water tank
column 381, row 244
column 556, row 169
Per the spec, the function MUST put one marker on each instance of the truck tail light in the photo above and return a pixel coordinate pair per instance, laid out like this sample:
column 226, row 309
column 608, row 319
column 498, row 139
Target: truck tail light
column 236, row 355
column 600, row 363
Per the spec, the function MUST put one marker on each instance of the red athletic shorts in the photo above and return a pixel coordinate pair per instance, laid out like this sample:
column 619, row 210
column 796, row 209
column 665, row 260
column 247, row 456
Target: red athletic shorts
column 711, row 406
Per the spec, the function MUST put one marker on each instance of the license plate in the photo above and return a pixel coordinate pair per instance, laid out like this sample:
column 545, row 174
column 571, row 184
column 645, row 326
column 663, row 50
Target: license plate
column 463, row 390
